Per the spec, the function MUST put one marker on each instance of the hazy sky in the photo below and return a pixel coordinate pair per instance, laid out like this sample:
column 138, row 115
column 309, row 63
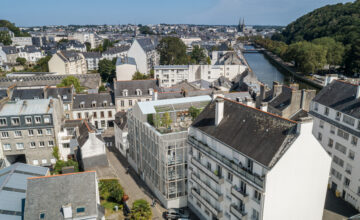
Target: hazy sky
column 48, row 12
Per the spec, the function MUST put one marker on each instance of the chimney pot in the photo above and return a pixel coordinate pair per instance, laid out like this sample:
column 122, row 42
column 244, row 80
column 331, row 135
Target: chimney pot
column 219, row 111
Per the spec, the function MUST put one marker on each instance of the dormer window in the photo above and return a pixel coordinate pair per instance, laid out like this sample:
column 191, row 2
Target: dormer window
column 93, row 104
column 105, row 103
column 125, row 92
column 82, row 104
column 64, row 97
column 151, row 91
column 138, row 92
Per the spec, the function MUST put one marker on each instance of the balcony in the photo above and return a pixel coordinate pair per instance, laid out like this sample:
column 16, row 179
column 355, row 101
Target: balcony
column 213, row 210
column 240, row 214
column 254, row 178
column 211, row 174
column 239, row 194
column 217, row 195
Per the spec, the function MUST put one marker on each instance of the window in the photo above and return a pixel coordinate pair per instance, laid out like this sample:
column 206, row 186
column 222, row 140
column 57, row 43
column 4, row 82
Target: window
column 44, row 161
column 351, row 155
column 46, row 119
column 66, row 145
column 354, row 140
column 37, row 119
column 40, row 132
column 338, row 116
column 102, row 115
column 53, row 160
column 28, row 120
column 138, row 92
column 7, row 147
column 338, row 161
column 80, row 210
column 109, row 114
column 257, row 196
column 51, row 143
column 125, row 92
column 104, row 103
column 332, row 129
column 341, row 148
column 122, row 103
column 36, row 162
column 348, row 168
column 343, row 134
column 330, row 143
column 48, row 131
column 336, row 174
column 316, row 108
column 103, row 123
column 230, row 177
column 255, row 215
column 86, row 114
column 130, row 102
column 19, row 146
column 346, row 182
column 31, row 132
column 32, row 144
column 41, row 144
column 321, row 124
column 319, row 136
column 208, row 165
column 17, row 133
column 82, row 104
column 3, row 122
column 93, row 104
column 15, row 121
column 349, row 120
column 5, row 134
column 95, row 115
column 79, row 115
column 326, row 112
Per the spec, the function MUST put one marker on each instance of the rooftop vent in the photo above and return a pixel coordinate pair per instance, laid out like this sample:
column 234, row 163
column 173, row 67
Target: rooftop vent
column 67, row 211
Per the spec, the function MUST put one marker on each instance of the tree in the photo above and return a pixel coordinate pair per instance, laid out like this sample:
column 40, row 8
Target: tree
column 107, row 44
column 5, row 38
column 166, row 119
column 172, row 51
column 194, row 112
column 138, row 76
column 107, row 70
column 102, row 89
column 11, row 26
column 88, row 46
column 352, row 61
column 71, row 80
column 145, row 29
column 141, row 210
column 55, row 153
column 21, row 60
column 198, row 55
column 61, row 164
column 335, row 50
column 63, row 40
column 42, row 64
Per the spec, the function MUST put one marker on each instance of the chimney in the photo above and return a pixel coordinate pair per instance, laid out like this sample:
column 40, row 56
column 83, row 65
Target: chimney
column 358, row 91
column 67, row 211
column 219, row 111
column 303, row 98
column 294, row 86
column 277, row 90
column 155, row 95
column 264, row 106
column 329, row 78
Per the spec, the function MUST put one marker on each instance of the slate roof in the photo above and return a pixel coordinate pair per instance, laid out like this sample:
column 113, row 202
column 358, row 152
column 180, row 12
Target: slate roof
column 84, row 129
column 146, row 44
column 99, row 98
column 132, row 85
column 341, row 96
column 27, row 107
column 116, row 50
column 93, row 55
column 38, row 93
column 13, row 185
column 9, row 49
column 282, row 100
column 252, row 132
column 66, row 56
column 48, row 195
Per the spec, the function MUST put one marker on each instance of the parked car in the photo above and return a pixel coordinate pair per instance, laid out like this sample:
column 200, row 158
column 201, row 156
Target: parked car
column 176, row 214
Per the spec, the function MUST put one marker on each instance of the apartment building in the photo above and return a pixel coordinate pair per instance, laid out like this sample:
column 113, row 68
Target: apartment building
column 336, row 114
column 68, row 62
column 31, row 53
column 21, row 41
column 244, row 163
column 29, row 130
column 143, row 50
column 157, row 135
column 115, row 52
column 92, row 60
column 120, row 133
column 129, row 92
column 98, row 109
column 125, row 68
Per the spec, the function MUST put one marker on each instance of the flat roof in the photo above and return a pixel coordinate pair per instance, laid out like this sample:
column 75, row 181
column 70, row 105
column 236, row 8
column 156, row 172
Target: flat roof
column 172, row 67
column 26, row 107
column 149, row 107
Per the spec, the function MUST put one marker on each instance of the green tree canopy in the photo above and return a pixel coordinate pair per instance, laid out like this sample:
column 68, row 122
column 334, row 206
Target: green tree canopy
column 172, row 51
column 21, row 60
column 335, row 50
column 145, row 29
column 71, row 80
column 141, row 210
column 138, row 76
column 353, row 58
column 198, row 55
column 5, row 38
column 11, row 26
column 107, row 69
column 42, row 64
column 61, row 164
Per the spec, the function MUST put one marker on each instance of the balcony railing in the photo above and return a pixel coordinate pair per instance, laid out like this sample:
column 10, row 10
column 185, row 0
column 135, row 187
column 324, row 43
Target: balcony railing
column 239, row 194
column 235, row 167
column 211, row 174
column 240, row 214
column 217, row 195
column 213, row 210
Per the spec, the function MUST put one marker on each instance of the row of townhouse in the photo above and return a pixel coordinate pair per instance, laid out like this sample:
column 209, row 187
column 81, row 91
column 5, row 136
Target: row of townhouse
column 9, row 54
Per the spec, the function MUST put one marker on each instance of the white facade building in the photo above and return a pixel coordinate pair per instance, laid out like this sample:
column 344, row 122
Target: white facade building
column 21, row 41
column 125, row 68
column 120, row 133
column 248, row 164
column 68, row 62
column 336, row 115
column 143, row 50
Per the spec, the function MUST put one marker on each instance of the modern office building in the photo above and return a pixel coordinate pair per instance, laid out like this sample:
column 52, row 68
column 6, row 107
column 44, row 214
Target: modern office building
column 157, row 135
column 245, row 163
column 336, row 113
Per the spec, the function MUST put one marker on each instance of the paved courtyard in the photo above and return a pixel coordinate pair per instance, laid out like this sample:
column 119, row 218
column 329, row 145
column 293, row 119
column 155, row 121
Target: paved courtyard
column 133, row 186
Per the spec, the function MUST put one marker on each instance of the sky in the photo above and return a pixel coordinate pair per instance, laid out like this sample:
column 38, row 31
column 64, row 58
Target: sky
column 228, row 12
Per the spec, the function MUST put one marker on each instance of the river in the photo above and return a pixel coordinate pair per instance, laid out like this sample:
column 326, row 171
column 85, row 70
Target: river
column 266, row 72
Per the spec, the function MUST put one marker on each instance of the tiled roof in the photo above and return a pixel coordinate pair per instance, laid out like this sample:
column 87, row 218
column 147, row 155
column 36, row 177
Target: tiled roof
column 132, row 85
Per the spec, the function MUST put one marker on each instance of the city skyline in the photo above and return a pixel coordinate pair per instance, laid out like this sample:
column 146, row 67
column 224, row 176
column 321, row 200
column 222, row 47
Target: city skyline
column 210, row 12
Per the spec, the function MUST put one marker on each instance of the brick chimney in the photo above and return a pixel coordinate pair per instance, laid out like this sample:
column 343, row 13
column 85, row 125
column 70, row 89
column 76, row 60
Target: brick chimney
column 219, row 111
